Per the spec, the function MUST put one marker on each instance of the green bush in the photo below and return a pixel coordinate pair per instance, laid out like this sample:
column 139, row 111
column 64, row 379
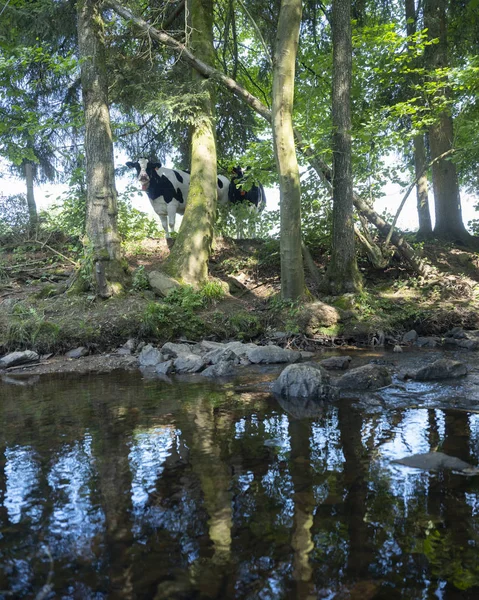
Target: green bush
column 168, row 321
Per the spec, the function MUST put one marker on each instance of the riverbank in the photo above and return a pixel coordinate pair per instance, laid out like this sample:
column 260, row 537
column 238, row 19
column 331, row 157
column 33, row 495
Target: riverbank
column 242, row 303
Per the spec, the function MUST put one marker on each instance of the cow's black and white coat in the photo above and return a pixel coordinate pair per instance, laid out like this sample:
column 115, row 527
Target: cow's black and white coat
column 168, row 189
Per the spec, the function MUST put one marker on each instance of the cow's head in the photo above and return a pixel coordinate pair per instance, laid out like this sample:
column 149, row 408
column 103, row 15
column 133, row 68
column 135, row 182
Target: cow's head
column 145, row 171
column 236, row 173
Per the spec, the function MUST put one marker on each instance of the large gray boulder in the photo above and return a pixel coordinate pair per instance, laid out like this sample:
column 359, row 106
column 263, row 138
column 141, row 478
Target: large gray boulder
column 444, row 368
column 306, row 380
column 172, row 350
column 150, row 356
column 271, row 355
column 218, row 355
column 162, row 284
column 367, row 377
column 18, row 358
column 189, row 363
column 220, row 369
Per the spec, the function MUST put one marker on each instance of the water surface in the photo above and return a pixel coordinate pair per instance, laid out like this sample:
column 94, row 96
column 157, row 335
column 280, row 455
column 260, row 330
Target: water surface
column 120, row 486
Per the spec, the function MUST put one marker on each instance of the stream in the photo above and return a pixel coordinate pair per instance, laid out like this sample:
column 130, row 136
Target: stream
column 126, row 485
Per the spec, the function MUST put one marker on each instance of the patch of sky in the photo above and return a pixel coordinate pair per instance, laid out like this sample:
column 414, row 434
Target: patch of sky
column 22, row 476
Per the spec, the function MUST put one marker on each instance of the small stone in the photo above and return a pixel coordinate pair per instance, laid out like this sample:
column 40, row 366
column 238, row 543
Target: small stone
column 77, row 352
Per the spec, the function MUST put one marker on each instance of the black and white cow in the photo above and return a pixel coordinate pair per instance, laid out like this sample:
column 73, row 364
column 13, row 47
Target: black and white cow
column 236, row 194
column 168, row 189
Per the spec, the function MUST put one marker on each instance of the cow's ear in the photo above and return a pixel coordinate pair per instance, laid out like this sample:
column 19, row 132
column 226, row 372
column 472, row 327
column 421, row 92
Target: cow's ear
column 156, row 165
column 132, row 165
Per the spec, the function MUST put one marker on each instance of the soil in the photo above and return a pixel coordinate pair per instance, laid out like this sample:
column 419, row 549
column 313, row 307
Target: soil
column 36, row 313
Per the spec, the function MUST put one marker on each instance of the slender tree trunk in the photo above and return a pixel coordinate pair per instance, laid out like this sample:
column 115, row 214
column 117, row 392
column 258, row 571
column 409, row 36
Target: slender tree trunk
column 292, row 273
column 101, row 221
column 447, row 200
column 322, row 169
column 189, row 257
column 342, row 274
column 32, row 207
column 420, row 158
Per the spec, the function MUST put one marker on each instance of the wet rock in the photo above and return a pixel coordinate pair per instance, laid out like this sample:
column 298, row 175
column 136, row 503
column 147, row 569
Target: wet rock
column 410, row 337
column 18, row 358
column 437, row 461
column 221, row 355
column 367, row 377
column 220, row 369
column 161, row 284
column 189, row 363
column 306, row 380
column 444, row 368
column 77, row 352
column 457, row 333
column 336, row 362
column 272, row 354
column 164, row 368
column 305, row 354
column 426, row 342
column 171, row 350
column 302, row 408
column 467, row 344
column 150, row 356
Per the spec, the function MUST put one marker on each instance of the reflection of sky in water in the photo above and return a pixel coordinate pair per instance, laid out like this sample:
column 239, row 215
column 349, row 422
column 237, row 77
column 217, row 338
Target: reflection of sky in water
column 149, row 450
column 148, row 453
column 74, row 519
column 21, row 472
column 325, row 442
column 410, row 437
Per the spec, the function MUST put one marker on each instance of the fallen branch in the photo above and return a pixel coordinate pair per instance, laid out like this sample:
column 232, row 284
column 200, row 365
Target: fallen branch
column 43, row 245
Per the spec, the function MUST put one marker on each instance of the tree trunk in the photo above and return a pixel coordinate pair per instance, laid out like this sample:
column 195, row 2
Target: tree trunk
column 449, row 224
column 292, row 273
column 32, row 207
column 342, row 275
column 420, row 159
column 322, row 169
column 101, row 220
column 188, row 261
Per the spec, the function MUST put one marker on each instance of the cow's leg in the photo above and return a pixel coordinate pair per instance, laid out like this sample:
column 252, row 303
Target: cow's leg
column 172, row 209
column 164, row 223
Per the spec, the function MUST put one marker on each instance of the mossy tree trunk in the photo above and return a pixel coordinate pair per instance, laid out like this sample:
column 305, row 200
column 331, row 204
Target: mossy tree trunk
column 292, row 272
column 342, row 275
column 188, row 261
column 101, row 219
column 449, row 224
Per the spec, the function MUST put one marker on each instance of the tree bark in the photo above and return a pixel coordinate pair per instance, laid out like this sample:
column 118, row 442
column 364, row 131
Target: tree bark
column 101, row 220
column 292, row 272
column 449, row 224
column 322, row 169
column 342, row 275
column 188, row 261
column 32, row 207
column 420, row 158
